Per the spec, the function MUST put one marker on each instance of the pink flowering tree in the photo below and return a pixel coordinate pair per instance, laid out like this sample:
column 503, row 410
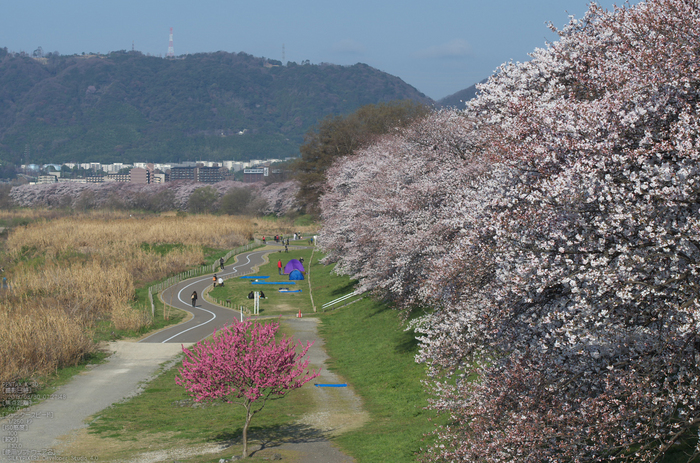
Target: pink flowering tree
column 244, row 363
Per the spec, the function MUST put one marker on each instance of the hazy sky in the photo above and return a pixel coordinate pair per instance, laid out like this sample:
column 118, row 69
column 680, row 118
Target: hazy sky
column 438, row 46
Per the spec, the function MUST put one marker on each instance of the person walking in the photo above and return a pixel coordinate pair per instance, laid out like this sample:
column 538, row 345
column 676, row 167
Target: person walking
column 194, row 298
column 279, row 266
column 214, row 278
column 221, row 263
column 264, row 240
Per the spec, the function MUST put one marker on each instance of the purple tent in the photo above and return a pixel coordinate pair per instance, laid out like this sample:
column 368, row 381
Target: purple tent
column 293, row 265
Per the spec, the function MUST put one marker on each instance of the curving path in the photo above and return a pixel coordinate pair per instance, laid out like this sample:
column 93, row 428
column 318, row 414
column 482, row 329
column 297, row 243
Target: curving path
column 206, row 317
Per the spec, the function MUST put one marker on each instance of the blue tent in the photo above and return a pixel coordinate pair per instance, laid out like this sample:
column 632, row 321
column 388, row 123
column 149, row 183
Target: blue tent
column 292, row 265
column 296, row 275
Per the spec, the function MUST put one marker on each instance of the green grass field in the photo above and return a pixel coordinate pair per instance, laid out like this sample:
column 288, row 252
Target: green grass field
column 369, row 347
column 236, row 290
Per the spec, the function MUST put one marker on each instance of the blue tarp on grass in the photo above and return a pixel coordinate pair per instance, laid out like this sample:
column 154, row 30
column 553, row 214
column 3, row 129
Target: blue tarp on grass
column 273, row 282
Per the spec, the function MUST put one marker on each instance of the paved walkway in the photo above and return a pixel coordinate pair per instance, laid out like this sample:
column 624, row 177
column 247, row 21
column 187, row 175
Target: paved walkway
column 40, row 426
column 49, row 426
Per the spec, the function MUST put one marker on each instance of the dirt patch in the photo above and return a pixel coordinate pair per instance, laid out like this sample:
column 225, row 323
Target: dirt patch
column 150, row 448
column 338, row 409
column 284, row 308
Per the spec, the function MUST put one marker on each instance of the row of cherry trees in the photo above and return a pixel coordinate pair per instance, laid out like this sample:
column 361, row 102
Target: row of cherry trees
column 553, row 229
column 274, row 198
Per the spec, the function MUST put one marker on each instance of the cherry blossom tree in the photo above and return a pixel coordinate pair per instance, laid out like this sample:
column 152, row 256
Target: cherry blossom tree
column 244, row 363
column 386, row 209
column 562, row 280
column 594, row 300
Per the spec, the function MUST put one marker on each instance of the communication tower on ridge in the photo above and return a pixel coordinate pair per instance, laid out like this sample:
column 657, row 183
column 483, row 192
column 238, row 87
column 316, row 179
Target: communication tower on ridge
column 171, row 50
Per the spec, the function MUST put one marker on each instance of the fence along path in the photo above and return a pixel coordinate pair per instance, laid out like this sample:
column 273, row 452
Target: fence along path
column 203, row 270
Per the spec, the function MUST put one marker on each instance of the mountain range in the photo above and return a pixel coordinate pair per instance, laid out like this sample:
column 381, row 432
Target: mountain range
column 126, row 106
column 459, row 99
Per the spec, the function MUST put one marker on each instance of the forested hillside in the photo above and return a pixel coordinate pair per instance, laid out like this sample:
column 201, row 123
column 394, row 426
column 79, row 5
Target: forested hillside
column 459, row 99
column 126, row 106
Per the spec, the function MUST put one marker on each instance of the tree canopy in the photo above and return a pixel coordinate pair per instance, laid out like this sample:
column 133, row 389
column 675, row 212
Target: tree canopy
column 339, row 136
column 244, row 363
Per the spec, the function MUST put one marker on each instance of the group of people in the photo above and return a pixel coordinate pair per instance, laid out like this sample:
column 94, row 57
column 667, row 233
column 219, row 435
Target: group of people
column 280, row 239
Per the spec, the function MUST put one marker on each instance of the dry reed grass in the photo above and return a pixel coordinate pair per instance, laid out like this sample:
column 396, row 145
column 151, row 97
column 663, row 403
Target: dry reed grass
column 90, row 234
column 284, row 226
column 37, row 340
column 126, row 317
column 84, row 291
column 73, row 271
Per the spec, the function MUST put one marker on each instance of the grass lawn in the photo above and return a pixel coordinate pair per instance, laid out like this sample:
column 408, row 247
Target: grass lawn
column 237, row 289
column 369, row 347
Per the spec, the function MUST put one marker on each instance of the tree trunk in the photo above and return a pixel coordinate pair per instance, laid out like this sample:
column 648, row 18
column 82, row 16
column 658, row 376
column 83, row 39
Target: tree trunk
column 248, row 416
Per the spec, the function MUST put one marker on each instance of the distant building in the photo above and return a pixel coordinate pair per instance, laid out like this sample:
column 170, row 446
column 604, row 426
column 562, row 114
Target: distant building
column 140, row 175
column 255, row 175
column 115, row 167
column 183, row 173
column 209, row 174
column 235, row 166
column 41, row 179
column 118, row 178
column 94, row 179
column 158, row 178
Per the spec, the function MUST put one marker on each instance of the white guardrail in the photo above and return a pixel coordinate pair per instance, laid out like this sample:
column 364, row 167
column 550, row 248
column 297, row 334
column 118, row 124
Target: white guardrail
column 204, row 269
column 336, row 301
